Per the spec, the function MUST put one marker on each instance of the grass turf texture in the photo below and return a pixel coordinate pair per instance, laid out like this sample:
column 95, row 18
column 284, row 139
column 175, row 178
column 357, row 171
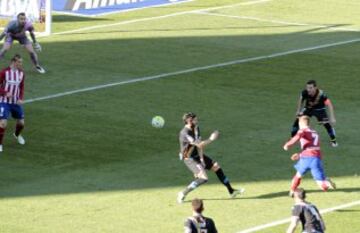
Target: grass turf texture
column 93, row 163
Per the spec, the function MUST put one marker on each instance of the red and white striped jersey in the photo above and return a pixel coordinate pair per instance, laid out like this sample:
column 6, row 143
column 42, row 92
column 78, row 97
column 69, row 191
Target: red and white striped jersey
column 309, row 142
column 11, row 81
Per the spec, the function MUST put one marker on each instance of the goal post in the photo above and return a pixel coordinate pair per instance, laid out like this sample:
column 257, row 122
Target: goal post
column 37, row 11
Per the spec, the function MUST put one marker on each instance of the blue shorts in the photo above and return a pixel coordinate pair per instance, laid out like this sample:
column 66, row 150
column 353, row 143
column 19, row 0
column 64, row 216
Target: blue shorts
column 314, row 164
column 15, row 110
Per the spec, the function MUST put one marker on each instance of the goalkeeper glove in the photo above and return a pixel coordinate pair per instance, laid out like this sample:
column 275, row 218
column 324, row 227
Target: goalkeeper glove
column 37, row 47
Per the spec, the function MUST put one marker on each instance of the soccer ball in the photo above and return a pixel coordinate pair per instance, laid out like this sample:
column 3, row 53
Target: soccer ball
column 158, row 122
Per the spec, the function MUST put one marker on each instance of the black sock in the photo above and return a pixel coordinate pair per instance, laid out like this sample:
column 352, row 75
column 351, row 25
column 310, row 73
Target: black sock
column 223, row 179
column 331, row 131
column 295, row 127
column 193, row 185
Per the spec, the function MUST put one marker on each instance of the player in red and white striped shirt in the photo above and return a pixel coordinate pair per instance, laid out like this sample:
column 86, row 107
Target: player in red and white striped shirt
column 11, row 98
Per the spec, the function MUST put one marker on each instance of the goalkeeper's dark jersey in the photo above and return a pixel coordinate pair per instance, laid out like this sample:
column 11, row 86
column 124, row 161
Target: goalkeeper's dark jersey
column 199, row 224
column 14, row 29
column 314, row 102
column 309, row 216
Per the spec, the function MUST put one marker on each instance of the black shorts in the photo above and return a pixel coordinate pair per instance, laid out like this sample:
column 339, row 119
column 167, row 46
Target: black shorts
column 320, row 114
column 209, row 163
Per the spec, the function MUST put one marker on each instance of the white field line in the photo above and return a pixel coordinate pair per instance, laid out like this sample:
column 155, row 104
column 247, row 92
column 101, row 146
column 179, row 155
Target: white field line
column 287, row 220
column 192, row 70
column 159, row 17
column 329, row 27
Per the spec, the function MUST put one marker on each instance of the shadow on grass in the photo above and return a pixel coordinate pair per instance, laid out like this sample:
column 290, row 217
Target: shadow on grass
column 286, row 193
column 278, row 195
column 71, row 18
column 103, row 141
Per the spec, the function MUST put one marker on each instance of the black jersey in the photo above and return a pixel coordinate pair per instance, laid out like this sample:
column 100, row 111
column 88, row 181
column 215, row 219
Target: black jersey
column 186, row 138
column 309, row 216
column 314, row 102
column 199, row 224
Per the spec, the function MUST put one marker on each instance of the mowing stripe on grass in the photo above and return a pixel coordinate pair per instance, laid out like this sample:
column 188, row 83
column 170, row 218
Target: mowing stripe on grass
column 159, row 17
column 287, row 220
column 192, row 70
column 328, row 27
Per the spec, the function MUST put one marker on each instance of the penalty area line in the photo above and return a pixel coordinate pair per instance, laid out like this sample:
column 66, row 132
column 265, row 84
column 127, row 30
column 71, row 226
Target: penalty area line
column 287, row 220
column 253, row 2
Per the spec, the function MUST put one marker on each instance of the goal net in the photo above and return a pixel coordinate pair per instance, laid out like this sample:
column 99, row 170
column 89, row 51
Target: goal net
column 37, row 11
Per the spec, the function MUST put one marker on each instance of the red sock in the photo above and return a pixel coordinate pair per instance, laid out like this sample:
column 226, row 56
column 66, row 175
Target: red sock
column 18, row 129
column 295, row 182
column 2, row 133
column 324, row 186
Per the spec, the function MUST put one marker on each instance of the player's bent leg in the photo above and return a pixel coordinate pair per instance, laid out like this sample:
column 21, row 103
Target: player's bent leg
column 225, row 181
column 215, row 167
column 20, row 124
column 317, row 171
column 326, row 184
column 193, row 185
column 6, row 47
column 331, row 132
column 295, row 182
column 3, row 124
column 323, row 119
column 201, row 178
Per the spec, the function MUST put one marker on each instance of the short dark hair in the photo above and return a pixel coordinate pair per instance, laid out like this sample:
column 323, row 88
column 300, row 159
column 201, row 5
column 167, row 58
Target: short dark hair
column 15, row 58
column 188, row 115
column 21, row 14
column 311, row 82
column 197, row 205
column 300, row 193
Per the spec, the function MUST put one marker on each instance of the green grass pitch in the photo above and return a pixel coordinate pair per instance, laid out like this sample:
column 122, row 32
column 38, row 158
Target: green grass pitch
column 93, row 163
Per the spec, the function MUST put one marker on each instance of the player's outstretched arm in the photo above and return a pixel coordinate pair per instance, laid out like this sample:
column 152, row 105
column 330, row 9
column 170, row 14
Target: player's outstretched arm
column 291, row 142
column 293, row 224
column 212, row 138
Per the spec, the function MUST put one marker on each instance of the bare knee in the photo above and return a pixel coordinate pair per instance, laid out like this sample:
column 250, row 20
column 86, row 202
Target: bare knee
column 202, row 175
column 215, row 167
column 20, row 122
column 3, row 124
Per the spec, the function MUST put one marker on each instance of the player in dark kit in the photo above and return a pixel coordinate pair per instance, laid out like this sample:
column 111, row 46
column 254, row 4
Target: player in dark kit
column 16, row 30
column 191, row 152
column 197, row 223
column 313, row 102
column 307, row 214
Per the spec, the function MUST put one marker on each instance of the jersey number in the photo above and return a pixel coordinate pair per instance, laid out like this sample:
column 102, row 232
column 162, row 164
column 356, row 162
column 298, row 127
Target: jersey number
column 315, row 137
